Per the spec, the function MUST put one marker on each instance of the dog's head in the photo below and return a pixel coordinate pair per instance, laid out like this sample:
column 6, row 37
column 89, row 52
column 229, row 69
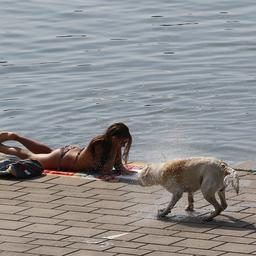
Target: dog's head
column 148, row 176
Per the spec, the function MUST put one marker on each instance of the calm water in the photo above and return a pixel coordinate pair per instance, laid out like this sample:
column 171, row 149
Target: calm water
column 181, row 74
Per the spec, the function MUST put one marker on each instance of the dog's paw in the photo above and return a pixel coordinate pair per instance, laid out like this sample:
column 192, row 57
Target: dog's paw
column 161, row 213
column 190, row 208
column 223, row 207
column 207, row 219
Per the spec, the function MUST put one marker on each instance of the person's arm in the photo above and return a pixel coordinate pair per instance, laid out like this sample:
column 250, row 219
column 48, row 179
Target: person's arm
column 107, row 167
column 119, row 166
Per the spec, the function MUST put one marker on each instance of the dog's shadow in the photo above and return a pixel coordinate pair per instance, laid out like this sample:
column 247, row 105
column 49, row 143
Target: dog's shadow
column 197, row 219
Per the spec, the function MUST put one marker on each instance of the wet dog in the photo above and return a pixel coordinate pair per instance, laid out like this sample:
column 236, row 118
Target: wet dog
column 210, row 175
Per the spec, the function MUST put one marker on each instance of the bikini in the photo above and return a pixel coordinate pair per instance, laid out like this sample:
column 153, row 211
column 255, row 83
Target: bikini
column 64, row 150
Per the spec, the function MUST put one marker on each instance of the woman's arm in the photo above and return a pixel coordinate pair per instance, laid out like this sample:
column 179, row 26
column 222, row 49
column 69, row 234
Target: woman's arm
column 114, row 159
column 119, row 163
column 105, row 168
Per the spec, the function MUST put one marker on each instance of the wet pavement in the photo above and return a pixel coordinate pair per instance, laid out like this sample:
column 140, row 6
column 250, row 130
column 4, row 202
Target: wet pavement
column 56, row 215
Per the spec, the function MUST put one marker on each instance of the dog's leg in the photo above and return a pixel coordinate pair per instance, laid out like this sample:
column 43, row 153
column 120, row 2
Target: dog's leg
column 190, row 202
column 222, row 197
column 209, row 188
column 175, row 198
column 212, row 200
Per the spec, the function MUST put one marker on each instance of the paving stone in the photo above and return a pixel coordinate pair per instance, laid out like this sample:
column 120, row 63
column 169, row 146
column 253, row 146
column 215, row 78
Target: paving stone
column 45, row 236
column 40, row 212
column 118, row 235
column 12, row 225
column 101, row 246
column 98, row 184
column 235, row 215
column 192, row 227
column 236, row 248
column 195, row 234
column 123, row 228
column 32, row 184
column 45, row 178
column 12, row 195
column 233, row 239
column 40, row 205
column 47, row 242
column 108, row 197
column 110, row 192
column 9, row 182
column 125, row 244
column 198, row 252
column 68, row 181
column 112, row 212
column 14, row 232
column 84, row 224
column 249, row 210
column 79, row 194
column 8, row 188
column 11, row 209
column 123, row 254
column 83, row 239
column 236, row 254
column 133, row 188
column 252, row 235
column 37, row 191
column 110, row 205
column 155, row 231
column 250, row 220
column 108, row 219
column 75, row 208
column 11, row 216
column 231, row 222
column 73, row 201
column 42, row 220
column 76, row 231
column 66, row 188
column 78, row 216
column 16, row 239
column 6, row 253
column 128, row 251
column 42, row 198
column 148, row 199
column 149, row 223
column 7, row 201
column 167, row 254
column 16, row 247
column 43, row 228
column 52, row 250
column 156, row 239
column 246, row 196
column 161, row 248
column 198, row 243
column 230, row 231
column 91, row 253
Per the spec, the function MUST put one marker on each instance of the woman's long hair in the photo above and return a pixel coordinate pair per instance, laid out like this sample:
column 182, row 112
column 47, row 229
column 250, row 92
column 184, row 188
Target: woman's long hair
column 119, row 130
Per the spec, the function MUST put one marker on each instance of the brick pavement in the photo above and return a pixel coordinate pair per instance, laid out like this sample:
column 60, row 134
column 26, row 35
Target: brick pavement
column 55, row 215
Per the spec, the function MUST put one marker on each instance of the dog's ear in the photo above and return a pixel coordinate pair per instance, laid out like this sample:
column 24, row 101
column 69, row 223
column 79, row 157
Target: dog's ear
column 146, row 170
column 143, row 175
column 143, row 171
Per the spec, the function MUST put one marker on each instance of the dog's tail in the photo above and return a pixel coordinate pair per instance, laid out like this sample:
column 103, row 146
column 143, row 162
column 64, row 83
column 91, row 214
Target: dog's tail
column 231, row 177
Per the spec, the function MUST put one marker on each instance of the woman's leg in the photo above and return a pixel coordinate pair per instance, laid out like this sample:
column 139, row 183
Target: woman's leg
column 49, row 161
column 33, row 146
column 15, row 151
